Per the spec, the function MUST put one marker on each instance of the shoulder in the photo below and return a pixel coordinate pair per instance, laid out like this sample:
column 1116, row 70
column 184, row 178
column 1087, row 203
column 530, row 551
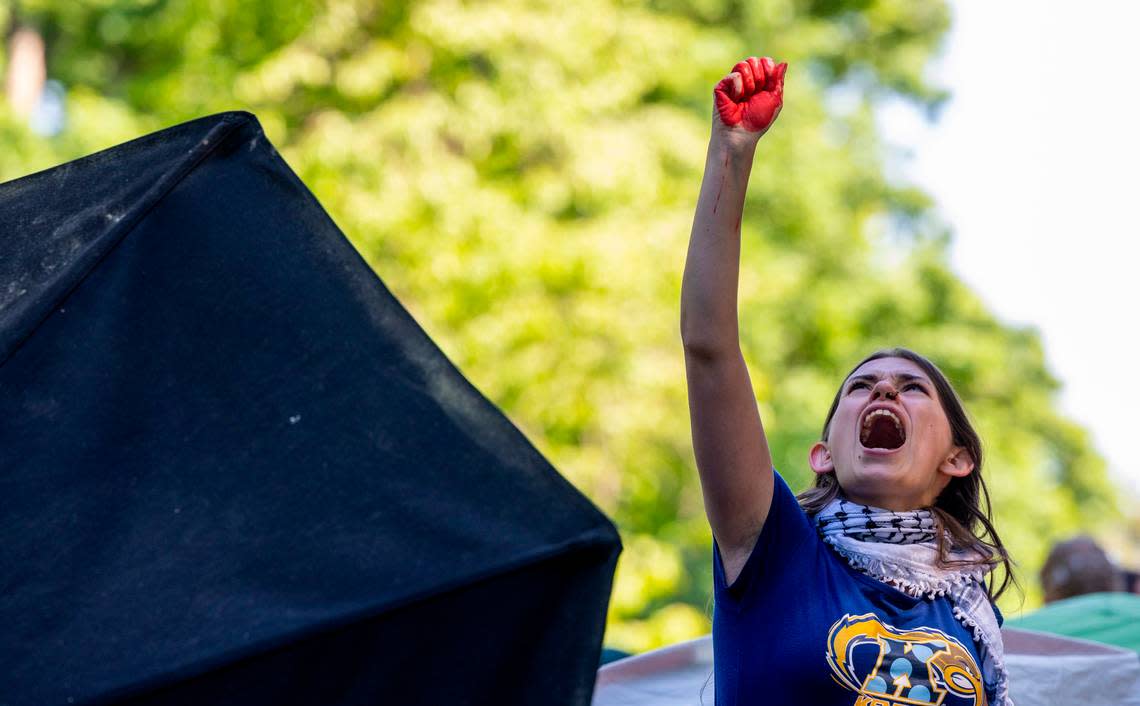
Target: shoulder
column 778, row 548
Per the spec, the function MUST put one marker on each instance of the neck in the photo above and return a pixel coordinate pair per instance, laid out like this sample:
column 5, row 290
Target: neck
column 893, row 503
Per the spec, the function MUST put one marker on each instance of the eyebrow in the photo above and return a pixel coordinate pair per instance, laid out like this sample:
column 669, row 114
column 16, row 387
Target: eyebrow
column 900, row 377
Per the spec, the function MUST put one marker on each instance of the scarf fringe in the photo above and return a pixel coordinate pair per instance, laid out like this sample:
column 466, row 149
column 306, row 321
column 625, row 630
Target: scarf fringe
column 902, row 577
column 994, row 657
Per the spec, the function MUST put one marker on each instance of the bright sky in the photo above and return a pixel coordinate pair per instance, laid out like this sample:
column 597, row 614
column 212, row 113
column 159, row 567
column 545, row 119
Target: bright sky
column 1035, row 163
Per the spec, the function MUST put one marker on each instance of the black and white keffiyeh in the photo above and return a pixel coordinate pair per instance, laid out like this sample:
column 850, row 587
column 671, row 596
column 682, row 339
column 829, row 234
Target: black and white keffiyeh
column 901, row 550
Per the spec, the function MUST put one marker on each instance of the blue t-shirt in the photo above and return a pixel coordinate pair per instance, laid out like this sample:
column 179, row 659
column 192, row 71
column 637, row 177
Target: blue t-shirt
column 800, row 626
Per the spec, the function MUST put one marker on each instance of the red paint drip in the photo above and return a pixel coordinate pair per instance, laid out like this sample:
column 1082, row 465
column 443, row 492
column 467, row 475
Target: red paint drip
column 718, row 190
column 757, row 100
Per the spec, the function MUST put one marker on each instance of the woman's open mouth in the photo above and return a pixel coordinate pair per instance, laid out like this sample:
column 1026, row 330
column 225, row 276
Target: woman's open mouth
column 882, row 430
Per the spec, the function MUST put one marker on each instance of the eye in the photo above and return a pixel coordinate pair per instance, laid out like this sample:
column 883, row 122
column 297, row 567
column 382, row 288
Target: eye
column 914, row 386
column 858, row 385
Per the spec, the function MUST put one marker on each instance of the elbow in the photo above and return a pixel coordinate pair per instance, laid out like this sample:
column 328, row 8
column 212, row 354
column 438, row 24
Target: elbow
column 708, row 341
column 707, row 347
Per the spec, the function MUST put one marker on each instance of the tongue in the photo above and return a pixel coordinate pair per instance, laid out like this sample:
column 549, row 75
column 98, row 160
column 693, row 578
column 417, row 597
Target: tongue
column 883, row 434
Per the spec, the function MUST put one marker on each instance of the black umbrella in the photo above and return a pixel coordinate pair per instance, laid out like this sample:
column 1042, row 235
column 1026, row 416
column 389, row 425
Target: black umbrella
column 233, row 470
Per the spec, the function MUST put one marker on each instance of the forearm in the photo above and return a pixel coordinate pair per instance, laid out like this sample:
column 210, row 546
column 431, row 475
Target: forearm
column 712, row 266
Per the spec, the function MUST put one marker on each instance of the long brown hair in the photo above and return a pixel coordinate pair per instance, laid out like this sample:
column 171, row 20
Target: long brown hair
column 962, row 510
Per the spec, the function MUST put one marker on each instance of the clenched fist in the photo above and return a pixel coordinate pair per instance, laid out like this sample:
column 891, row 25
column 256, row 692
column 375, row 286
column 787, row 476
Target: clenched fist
column 750, row 97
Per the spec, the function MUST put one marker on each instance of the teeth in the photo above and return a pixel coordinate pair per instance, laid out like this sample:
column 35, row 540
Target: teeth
column 881, row 413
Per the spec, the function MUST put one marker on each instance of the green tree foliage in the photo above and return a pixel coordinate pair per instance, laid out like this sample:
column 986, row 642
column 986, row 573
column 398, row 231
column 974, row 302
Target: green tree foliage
column 523, row 173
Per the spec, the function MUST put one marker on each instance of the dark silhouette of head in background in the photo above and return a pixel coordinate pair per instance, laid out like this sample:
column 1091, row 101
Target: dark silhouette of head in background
column 1079, row 566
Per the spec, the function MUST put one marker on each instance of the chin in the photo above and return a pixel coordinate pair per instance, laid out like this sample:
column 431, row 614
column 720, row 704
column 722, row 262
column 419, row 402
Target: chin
column 875, row 480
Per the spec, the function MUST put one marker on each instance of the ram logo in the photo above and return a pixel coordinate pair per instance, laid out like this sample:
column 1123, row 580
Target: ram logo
column 915, row 667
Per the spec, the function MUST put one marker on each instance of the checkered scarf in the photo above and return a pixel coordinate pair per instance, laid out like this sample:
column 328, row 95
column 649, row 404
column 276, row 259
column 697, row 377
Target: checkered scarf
column 901, row 550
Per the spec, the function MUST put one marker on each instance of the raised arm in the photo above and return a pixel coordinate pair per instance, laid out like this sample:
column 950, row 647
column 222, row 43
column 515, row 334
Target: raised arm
column 732, row 453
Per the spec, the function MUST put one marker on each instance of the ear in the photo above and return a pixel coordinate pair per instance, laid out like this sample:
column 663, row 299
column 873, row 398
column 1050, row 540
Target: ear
column 958, row 464
column 820, row 458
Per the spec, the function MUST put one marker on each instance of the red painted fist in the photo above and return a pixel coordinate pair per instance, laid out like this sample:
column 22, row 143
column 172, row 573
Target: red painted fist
column 752, row 95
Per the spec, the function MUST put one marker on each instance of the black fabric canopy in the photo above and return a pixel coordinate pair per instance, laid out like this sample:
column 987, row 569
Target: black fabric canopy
column 233, row 470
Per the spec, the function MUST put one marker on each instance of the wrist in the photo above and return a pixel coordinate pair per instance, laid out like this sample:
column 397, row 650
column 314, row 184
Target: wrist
column 733, row 144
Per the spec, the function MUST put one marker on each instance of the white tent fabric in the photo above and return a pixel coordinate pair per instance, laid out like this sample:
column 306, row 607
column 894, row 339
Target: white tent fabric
column 1044, row 670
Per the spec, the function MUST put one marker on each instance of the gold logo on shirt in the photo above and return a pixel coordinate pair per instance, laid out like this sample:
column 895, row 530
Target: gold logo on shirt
column 915, row 667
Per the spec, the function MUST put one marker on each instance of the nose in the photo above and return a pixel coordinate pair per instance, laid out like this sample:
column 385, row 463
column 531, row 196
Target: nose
column 884, row 388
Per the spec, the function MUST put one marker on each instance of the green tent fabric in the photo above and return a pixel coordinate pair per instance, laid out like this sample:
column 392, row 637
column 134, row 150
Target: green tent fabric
column 1109, row 618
